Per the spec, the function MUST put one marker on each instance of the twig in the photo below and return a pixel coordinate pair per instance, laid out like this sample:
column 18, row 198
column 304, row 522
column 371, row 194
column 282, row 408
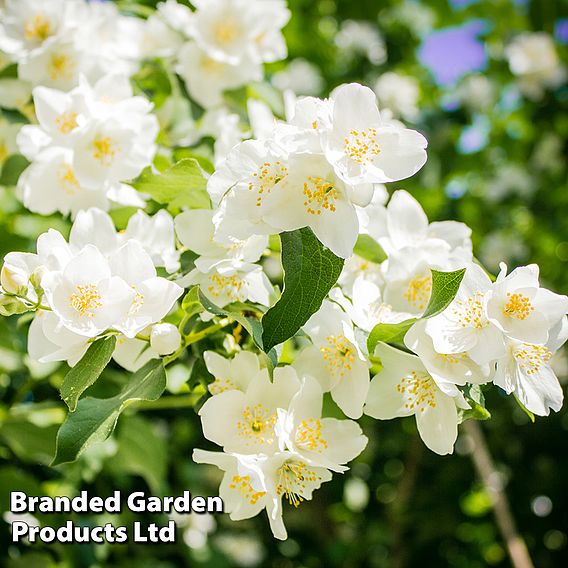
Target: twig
column 485, row 467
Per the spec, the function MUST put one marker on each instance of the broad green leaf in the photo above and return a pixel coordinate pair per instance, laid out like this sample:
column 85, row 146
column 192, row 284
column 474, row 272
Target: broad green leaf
column 445, row 286
column 182, row 185
column 388, row 333
column 367, row 248
column 474, row 396
column 87, row 370
column 95, row 418
column 310, row 270
column 191, row 303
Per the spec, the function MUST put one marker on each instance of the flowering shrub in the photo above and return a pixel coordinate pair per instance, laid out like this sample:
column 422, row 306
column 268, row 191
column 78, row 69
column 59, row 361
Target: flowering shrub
column 246, row 241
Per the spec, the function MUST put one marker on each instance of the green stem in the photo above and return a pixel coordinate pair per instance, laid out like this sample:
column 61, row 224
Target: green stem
column 169, row 402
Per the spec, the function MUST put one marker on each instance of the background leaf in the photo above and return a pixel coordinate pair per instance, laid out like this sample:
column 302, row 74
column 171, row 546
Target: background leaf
column 182, row 185
column 95, row 418
column 87, row 370
column 310, row 270
column 367, row 248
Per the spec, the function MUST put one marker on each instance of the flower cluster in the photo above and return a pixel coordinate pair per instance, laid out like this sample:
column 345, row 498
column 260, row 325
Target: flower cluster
column 87, row 141
column 99, row 282
column 314, row 170
column 275, row 442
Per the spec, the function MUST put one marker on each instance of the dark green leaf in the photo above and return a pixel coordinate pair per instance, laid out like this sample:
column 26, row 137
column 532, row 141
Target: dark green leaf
column 182, row 185
column 87, row 370
column 310, row 270
column 445, row 286
column 95, row 418
column 366, row 247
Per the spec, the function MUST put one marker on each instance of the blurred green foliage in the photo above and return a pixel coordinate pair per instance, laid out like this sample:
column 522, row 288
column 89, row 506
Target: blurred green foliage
column 400, row 505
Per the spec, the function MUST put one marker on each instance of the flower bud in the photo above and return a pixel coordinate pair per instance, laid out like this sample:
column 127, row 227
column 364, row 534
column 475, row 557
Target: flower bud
column 165, row 338
column 13, row 281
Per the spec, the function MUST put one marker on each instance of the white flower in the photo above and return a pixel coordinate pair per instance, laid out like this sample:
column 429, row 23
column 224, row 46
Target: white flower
column 232, row 30
column 525, row 371
column 165, row 338
column 444, row 368
column 244, row 422
column 398, row 93
column 153, row 297
column 311, row 195
column 362, row 148
column 356, row 267
column 86, row 296
column 252, row 483
column 195, row 230
column 156, row 234
column 367, row 308
column 520, row 308
column 464, row 326
column 206, row 78
column 232, row 281
column 50, row 184
column 241, row 186
column 407, row 225
column 361, row 38
column 335, row 359
column 405, row 388
column 231, row 374
column 325, row 442
column 533, row 58
column 301, row 77
column 49, row 341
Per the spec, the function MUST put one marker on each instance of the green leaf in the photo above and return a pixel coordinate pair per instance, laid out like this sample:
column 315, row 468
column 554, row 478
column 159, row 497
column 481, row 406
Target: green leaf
column 182, row 185
column 87, row 370
column 310, row 270
column 12, row 168
column 95, row 418
column 388, row 333
column 153, row 80
column 445, row 286
column 367, row 248
column 251, row 324
column 10, row 305
column 444, row 289
column 474, row 396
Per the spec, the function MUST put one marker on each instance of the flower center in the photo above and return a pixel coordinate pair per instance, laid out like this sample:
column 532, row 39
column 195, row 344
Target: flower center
column 105, row 150
column 86, row 300
column 226, row 32
column 257, row 425
column 418, row 390
column 517, row 306
column 418, row 291
column 470, row 311
column 292, row 478
column 361, row 145
column 60, row 66
column 221, row 385
column 38, row 28
column 531, row 357
column 230, row 285
column 265, row 178
column 319, row 194
column 339, row 354
column 66, row 122
column 243, row 486
column 68, row 181
column 309, row 436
